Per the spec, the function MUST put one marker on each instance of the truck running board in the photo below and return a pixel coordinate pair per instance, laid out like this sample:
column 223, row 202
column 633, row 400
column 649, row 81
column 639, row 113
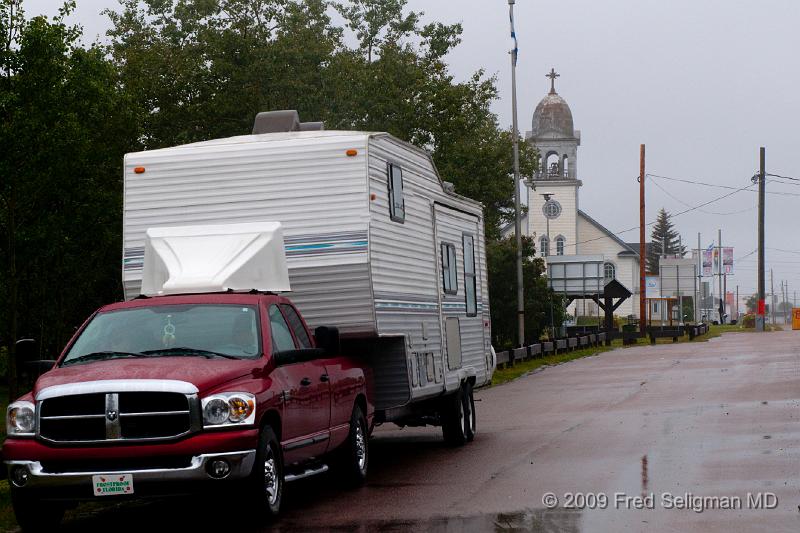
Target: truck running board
column 306, row 473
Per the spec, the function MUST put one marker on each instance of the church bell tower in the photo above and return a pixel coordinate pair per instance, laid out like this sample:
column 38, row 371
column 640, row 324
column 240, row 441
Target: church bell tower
column 553, row 190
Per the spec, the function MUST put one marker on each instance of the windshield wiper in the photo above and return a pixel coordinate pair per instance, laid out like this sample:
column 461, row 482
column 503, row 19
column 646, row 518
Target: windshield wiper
column 99, row 356
column 181, row 350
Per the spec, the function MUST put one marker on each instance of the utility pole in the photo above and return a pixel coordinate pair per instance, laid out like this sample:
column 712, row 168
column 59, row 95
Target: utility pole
column 719, row 273
column 517, row 208
column 642, row 257
column 737, row 304
column 699, row 293
column 771, row 297
column 760, row 316
column 785, row 302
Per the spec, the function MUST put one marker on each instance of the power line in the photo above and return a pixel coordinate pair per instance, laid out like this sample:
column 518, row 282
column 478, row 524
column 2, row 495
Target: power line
column 783, row 177
column 717, row 185
column 690, row 209
column 702, row 210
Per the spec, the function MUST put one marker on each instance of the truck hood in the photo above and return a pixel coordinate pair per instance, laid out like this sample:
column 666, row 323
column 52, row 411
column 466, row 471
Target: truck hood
column 202, row 373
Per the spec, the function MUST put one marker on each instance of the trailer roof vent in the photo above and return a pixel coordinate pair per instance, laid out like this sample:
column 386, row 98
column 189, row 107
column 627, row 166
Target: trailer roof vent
column 215, row 258
column 448, row 186
column 281, row 121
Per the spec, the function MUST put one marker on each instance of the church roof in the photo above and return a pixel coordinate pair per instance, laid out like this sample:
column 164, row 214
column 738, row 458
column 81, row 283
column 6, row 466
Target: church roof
column 626, row 249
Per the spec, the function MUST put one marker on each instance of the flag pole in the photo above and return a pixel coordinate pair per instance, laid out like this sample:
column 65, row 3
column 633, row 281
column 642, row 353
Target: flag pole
column 517, row 209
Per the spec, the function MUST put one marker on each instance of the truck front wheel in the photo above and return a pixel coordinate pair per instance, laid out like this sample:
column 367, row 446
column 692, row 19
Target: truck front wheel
column 36, row 515
column 354, row 458
column 267, row 477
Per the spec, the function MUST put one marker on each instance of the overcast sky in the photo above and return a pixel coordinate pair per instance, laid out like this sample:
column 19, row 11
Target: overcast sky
column 703, row 83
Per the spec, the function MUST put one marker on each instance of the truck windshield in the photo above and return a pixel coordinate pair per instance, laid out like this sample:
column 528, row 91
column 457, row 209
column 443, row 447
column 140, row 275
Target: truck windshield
column 170, row 330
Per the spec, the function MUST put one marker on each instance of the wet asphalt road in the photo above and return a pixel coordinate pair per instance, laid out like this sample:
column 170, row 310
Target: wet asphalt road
column 714, row 419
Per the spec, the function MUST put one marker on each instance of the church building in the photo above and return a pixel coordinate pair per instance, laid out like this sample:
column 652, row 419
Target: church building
column 555, row 216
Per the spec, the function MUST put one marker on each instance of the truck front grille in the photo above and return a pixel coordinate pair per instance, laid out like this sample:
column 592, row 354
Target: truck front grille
column 117, row 416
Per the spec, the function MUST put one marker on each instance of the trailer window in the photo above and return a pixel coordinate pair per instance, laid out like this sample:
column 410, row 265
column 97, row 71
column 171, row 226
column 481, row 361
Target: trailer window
column 470, row 285
column 449, row 279
column 397, row 206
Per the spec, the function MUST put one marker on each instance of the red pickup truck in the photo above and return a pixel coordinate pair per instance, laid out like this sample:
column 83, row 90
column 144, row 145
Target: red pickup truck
column 160, row 395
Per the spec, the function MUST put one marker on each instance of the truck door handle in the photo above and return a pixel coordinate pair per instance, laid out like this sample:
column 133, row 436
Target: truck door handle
column 305, row 382
column 324, row 378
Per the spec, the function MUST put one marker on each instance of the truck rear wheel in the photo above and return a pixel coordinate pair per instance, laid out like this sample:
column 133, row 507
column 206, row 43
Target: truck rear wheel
column 35, row 515
column 454, row 422
column 266, row 480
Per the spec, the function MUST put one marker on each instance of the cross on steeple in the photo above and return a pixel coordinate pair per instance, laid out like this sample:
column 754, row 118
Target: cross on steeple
column 553, row 75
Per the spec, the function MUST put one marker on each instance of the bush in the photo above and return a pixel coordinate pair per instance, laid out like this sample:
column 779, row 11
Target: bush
column 749, row 320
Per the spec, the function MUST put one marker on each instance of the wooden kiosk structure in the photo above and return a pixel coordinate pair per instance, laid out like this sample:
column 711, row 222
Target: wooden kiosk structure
column 579, row 277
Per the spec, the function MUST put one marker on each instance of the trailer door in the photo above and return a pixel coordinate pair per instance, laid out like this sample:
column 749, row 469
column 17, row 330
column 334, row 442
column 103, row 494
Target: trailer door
column 457, row 233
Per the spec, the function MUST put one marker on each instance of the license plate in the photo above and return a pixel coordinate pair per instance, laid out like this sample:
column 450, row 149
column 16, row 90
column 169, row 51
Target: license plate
column 112, row 484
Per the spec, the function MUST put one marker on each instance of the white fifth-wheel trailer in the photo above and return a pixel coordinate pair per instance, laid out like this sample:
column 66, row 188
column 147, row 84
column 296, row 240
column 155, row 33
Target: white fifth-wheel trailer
column 376, row 245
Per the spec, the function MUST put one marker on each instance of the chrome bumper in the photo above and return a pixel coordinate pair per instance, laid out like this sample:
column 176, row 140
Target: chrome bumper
column 241, row 464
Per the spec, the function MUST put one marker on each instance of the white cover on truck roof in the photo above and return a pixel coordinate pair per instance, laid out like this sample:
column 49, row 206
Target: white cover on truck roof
column 215, row 258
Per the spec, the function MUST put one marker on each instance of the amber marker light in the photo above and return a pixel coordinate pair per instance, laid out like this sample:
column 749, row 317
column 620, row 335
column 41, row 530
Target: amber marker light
column 139, row 170
column 351, row 152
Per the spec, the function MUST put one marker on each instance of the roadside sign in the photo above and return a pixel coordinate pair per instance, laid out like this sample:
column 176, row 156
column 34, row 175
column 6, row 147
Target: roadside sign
column 796, row 318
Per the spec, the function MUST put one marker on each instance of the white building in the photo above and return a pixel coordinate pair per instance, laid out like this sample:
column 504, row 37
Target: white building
column 555, row 217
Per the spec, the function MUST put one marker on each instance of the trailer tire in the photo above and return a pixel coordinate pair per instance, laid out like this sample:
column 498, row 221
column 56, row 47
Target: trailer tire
column 35, row 515
column 354, row 455
column 267, row 480
column 469, row 412
column 454, row 421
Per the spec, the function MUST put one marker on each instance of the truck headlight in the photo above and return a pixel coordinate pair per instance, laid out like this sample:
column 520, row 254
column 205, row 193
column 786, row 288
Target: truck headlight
column 230, row 408
column 21, row 419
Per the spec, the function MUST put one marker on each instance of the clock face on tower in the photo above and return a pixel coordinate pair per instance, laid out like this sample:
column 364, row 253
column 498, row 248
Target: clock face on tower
column 551, row 209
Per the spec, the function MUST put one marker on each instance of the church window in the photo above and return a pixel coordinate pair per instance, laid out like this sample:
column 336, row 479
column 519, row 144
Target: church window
column 397, row 206
column 610, row 271
column 449, row 280
column 544, row 246
column 560, row 241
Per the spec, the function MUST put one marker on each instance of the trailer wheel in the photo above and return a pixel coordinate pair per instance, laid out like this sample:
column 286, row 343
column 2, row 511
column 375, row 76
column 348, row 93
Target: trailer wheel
column 469, row 412
column 354, row 455
column 266, row 480
column 454, row 421
column 35, row 515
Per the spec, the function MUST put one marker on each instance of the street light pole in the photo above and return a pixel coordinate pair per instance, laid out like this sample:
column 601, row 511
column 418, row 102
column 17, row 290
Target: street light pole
column 547, row 196
column 517, row 209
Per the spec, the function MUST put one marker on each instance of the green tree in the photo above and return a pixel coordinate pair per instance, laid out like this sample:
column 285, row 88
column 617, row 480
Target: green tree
column 65, row 127
column 751, row 303
column 664, row 241
column 201, row 70
column 539, row 300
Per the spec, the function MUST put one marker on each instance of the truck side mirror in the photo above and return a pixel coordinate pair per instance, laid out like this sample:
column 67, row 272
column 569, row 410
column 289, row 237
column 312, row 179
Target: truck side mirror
column 25, row 350
column 29, row 368
column 327, row 338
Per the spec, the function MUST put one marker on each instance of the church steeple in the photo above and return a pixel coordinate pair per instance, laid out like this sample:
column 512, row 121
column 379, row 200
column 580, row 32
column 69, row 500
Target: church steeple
column 553, row 195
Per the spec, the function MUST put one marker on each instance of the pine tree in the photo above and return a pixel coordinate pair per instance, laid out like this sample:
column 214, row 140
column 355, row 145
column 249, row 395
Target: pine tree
column 664, row 235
